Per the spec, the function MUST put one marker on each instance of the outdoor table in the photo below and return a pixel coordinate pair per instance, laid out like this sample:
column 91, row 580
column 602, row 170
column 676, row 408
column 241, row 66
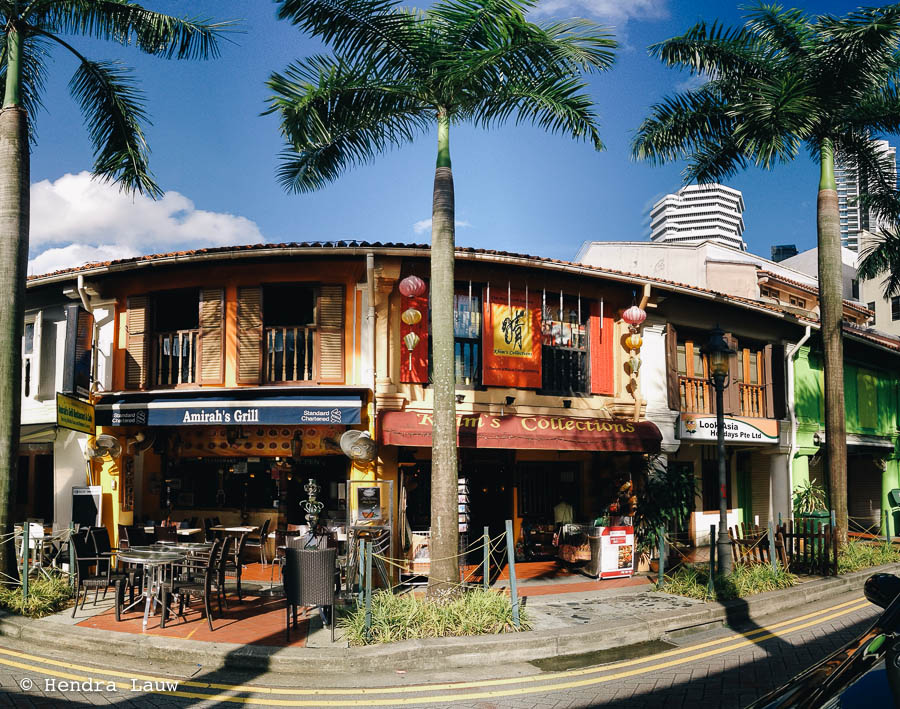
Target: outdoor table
column 234, row 530
column 154, row 564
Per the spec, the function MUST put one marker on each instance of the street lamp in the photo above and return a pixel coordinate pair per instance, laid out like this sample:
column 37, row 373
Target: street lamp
column 718, row 354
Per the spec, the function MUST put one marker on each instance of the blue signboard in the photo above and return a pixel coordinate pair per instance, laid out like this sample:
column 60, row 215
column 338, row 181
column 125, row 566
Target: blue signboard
column 230, row 411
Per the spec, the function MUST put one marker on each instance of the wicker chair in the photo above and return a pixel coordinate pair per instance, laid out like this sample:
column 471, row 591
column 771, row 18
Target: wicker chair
column 309, row 581
column 137, row 537
column 259, row 542
column 129, row 577
column 86, row 558
column 221, row 568
column 235, row 566
column 124, row 542
column 200, row 587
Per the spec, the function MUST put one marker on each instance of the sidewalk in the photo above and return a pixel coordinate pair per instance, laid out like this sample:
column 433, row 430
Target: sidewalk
column 581, row 621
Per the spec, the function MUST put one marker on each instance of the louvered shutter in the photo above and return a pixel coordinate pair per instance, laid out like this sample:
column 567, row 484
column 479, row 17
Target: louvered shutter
column 250, row 335
column 602, row 339
column 136, row 346
column 673, row 388
column 732, row 395
column 331, row 333
column 212, row 331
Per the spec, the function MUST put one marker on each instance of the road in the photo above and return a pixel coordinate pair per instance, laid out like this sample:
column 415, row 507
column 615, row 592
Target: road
column 718, row 668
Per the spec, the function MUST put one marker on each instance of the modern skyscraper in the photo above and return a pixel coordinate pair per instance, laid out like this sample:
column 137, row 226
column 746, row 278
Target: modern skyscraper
column 698, row 213
column 853, row 217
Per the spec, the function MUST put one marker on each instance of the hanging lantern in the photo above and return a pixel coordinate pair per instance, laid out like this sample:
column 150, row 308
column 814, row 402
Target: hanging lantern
column 412, row 286
column 411, row 316
column 634, row 315
column 634, row 341
column 635, row 364
column 411, row 340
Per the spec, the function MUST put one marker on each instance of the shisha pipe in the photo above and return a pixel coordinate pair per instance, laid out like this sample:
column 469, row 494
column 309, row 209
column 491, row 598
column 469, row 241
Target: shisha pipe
column 311, row 505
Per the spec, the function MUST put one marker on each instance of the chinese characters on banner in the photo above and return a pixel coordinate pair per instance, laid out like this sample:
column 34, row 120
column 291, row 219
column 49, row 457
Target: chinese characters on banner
column 512, row 342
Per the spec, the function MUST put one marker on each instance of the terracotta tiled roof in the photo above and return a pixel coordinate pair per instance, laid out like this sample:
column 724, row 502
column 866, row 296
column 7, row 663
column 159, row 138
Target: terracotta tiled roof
column 881, row 338
column 859, row 307
column 356, row 246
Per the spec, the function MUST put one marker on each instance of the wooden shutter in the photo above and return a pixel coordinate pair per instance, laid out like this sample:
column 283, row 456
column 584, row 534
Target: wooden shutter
column 673, row 388
column 773, row 380
column 250, row 335
column 136, row 347
column 212, row 332
column 732, row 396
column 602, row 339
column 331, row 333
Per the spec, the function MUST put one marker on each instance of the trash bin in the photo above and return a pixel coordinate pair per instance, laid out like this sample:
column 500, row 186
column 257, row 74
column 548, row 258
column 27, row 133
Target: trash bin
column 592, row 568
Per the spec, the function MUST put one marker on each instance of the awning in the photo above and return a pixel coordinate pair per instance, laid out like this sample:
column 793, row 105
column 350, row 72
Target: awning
column 37, row 433
column 406, row 428
column 228, row 408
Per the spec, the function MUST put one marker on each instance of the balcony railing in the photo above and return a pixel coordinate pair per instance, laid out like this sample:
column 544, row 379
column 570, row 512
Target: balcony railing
column 564, row 370
column 290, row 353
column 753, row 400
column 176, row 357
column 696, row 395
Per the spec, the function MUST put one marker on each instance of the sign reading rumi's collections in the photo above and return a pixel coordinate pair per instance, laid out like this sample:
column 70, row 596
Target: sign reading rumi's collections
column 512, row 343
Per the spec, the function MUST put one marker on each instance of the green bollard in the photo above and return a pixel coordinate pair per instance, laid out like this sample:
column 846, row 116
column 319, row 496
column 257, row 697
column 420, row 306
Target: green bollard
column 772, row 548
column 361, row 570
column 368, row 617
column 71, row 555
column 711, row 586
column 661, row 539
column 511, row 554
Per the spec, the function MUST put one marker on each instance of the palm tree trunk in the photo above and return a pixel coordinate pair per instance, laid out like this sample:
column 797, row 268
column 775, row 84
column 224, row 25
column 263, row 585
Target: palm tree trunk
column 444, row 547
column 831, row 316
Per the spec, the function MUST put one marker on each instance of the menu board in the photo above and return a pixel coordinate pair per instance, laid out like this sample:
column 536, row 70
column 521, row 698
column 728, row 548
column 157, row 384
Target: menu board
column 368, row 500
column 616, row 552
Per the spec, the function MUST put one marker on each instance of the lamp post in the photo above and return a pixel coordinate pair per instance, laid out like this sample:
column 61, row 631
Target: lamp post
column 718, row 353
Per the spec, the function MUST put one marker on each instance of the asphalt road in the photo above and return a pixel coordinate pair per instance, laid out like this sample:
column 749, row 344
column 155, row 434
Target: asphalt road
column 718, row 668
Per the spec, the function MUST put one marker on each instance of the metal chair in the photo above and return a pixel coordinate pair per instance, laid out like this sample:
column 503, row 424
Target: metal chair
column 200, row 587
column 259, row 542
column 166, row 534
column 130, row 577
column 221, row 568
column 235, row 566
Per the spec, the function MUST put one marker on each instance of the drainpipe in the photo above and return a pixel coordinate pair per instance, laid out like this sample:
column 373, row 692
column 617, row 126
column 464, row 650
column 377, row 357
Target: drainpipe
column 370, row 319
column 86, row 304
column 789, row 362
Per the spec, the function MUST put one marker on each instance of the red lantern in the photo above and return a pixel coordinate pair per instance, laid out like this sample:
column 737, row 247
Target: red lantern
column 412, row 286
column 634, row 315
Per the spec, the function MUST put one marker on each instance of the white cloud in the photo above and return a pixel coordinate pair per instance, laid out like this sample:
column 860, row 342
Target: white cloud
column 82, row 220
column 694, row 81
column 420, row 227
column 615, row 10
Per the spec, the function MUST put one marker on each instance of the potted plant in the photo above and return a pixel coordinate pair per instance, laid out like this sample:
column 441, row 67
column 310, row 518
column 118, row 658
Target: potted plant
column 809, row 501
column 665, row 499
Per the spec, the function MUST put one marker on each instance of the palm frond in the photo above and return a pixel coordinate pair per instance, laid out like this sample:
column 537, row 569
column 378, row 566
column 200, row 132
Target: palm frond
column 113, row 110
column 788, row 30
column 880, row 256
column 680, row 124
column 476, row 24
column 877, row 111
column 716, row 50
column 556, row 104
column 877, row 171
column 128, row 23
column 772, row 120
column 336, row 115
column 714, row 162
column 375, row 31
column 35, row 56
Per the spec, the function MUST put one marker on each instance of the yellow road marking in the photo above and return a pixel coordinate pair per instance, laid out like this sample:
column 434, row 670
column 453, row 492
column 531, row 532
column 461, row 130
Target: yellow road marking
column 751, row 638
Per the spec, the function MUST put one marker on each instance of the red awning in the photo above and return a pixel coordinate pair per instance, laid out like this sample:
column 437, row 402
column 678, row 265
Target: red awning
column 409, row 428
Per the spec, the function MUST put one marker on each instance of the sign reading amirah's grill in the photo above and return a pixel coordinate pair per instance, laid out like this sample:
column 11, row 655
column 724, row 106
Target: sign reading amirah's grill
column 703, row 427
column 74, row 414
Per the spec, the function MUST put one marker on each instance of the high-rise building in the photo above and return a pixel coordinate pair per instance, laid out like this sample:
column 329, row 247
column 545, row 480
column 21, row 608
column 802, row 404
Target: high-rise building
column 854, row 218
column 699, row 213
column 782, row 251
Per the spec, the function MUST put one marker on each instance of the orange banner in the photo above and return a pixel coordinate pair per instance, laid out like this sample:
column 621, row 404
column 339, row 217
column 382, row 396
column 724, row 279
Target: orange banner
column 512, row 342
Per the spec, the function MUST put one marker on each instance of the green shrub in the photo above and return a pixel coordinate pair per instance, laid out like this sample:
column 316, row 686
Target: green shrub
column 45, row 596
column 406, row 616
column 692, row 581
column 856, row 555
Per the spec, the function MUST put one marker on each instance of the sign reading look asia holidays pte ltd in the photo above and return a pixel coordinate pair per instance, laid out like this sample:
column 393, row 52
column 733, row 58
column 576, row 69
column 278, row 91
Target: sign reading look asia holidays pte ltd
column 702, row 427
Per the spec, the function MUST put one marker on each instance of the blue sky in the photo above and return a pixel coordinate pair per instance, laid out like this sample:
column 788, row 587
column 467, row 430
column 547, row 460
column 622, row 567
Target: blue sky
column 517, row 188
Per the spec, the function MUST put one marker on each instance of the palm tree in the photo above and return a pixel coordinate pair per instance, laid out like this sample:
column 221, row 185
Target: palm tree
column 782, row 82
column 113, row 112
column 397, row 73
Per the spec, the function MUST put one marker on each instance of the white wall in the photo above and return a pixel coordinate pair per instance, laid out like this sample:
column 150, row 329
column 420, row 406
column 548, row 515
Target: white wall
column 68, row 469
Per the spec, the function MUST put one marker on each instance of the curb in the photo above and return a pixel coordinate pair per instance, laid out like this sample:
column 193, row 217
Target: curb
column 431, row 654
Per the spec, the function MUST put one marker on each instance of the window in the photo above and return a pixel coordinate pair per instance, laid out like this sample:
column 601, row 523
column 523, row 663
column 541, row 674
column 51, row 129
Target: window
column 895, row 307
column 176, row 328
column 27, row 358
column 750, row 377
column 854, row 289
column 693, row 376
column 767, row 292
column 564, row 355
column 798, row 302
column 467, row 337
column 289, row 320
column 871, row 306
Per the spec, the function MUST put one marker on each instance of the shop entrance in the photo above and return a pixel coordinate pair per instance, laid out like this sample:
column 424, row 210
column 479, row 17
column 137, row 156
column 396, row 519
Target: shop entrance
column 490, row 487
column 330, row 473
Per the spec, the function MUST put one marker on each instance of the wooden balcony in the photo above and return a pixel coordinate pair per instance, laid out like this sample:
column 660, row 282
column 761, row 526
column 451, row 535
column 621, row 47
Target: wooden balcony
column 753, row 400
column 176, row 358
column 697, row 396
column 564, row 371
column 290, row 353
